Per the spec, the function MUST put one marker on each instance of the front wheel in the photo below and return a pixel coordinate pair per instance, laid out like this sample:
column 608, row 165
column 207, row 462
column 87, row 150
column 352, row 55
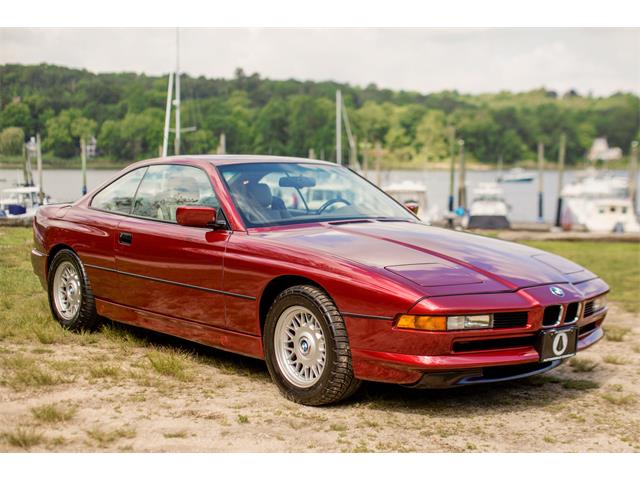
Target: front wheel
column 307, row 348
column 70, row 295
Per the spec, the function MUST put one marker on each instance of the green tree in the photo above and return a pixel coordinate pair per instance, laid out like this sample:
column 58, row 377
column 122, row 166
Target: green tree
column 65, row 130
column 135, row 136
column 16, row 114
column 311, row 125
column 271, row 129
column 431, row 137
column 11, row 141
column 372, row 120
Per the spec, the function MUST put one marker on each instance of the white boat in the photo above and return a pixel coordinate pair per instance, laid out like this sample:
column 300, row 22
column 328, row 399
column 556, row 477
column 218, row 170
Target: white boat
column 516, row 175
column 599, row 203
column 593, row 184
column 20, row 202
column 414, row 196
column 488, row 210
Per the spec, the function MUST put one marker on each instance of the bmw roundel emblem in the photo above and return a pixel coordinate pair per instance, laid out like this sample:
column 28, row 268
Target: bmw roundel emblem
column 557, row 291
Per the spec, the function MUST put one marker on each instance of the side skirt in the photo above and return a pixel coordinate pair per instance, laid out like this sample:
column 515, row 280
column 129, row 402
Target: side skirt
column 196, row 332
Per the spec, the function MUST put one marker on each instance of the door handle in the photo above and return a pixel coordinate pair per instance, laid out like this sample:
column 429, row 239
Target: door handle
column 125, row 238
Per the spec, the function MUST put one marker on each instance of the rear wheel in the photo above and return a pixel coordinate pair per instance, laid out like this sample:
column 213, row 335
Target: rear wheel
column 70, row 295
column 307, row 348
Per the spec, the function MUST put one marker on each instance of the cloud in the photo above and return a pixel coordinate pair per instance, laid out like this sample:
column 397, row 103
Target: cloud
column 469, row 60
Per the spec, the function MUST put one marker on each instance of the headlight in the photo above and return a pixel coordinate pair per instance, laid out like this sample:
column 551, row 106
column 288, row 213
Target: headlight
column 463, row 322
column 599, row 303
column 442, row 323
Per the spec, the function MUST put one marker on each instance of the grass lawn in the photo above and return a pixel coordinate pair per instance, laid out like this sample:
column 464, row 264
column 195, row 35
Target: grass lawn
column 121, row 389
column 617, row 263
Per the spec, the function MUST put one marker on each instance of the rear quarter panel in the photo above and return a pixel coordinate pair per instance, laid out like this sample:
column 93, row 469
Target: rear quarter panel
column 89, row 233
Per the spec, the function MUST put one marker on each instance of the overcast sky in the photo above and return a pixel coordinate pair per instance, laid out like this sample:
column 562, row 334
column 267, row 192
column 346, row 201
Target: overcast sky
column 600, row 61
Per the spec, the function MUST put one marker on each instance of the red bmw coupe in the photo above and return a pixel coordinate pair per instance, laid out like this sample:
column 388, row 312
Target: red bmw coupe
column 308, row 266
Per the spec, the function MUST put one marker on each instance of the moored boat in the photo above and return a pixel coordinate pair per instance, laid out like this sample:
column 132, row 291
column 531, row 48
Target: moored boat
column 599, row 203
column 20, row 202
column 489, row 209
column 516, row 175
column 414, row 196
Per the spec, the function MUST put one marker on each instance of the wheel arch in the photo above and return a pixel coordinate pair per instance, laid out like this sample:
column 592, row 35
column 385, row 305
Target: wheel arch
column 275, row 287
column 53, row 252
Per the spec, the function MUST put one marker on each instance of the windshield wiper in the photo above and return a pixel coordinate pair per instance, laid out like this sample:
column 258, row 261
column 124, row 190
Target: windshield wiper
column 393, row 219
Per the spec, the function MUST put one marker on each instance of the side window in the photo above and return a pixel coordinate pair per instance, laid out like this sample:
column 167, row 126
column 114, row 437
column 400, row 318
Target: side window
column 118, row 196
column 166, row 187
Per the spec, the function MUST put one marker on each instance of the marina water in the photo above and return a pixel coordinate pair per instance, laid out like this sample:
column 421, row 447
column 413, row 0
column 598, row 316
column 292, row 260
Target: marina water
column 66, row 185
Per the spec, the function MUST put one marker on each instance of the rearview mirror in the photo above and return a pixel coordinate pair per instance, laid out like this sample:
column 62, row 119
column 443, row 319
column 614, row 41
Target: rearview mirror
column 195, row 215
column 297, row 182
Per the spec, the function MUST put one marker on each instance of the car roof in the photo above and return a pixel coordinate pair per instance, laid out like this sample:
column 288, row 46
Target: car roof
column 229, row 159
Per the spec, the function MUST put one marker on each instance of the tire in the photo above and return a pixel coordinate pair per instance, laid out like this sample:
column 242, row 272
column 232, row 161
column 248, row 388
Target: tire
column 78, row 312
column 324, row 382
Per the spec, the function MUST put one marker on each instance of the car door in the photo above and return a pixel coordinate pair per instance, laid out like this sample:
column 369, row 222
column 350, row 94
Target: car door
column 100, row 225
column 166, row 268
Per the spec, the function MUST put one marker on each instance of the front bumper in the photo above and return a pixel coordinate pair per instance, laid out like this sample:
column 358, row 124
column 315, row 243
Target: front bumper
column 39, row 264
column 384, row 353
column 442, row 371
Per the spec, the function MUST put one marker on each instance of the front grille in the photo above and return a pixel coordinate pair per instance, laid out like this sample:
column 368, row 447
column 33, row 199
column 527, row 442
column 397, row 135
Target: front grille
column 510, row 320
column 588, row 309
column 573, row 309
column 494, row 343
column 552, row 315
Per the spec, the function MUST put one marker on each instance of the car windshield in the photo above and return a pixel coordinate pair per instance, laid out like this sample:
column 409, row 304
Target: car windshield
column 285, row 193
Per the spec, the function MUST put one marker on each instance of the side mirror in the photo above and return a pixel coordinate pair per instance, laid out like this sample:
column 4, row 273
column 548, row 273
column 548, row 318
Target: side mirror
column 412, row 206
column 195, row 216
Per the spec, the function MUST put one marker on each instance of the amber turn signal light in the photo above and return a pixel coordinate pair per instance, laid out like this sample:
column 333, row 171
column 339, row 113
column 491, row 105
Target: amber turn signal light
column 422, row 322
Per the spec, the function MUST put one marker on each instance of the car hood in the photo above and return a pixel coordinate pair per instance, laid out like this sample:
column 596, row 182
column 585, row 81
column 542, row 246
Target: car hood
column 433, row 260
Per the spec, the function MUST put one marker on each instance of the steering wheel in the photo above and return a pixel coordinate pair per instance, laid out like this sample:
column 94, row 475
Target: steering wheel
column 328, row 203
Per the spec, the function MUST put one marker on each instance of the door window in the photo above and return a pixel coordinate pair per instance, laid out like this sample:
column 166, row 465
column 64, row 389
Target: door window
column 118, row 196
column 166, row 187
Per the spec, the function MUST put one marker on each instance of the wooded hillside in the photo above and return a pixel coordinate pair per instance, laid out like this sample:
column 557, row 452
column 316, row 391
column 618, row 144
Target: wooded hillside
column 125, row 112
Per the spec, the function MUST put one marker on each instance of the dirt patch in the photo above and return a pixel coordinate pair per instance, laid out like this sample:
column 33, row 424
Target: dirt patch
column 128, row 390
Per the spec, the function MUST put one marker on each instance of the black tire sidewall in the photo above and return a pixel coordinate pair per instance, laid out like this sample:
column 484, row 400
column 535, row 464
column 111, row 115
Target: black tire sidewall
column 302, row 395
column 60, row 257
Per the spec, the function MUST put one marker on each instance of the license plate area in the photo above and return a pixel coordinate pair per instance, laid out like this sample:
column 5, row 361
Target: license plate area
column 557, row 343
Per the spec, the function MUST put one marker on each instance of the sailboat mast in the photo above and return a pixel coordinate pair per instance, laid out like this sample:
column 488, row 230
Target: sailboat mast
column 338, row 127
column 167, row 117
column 177, row 102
